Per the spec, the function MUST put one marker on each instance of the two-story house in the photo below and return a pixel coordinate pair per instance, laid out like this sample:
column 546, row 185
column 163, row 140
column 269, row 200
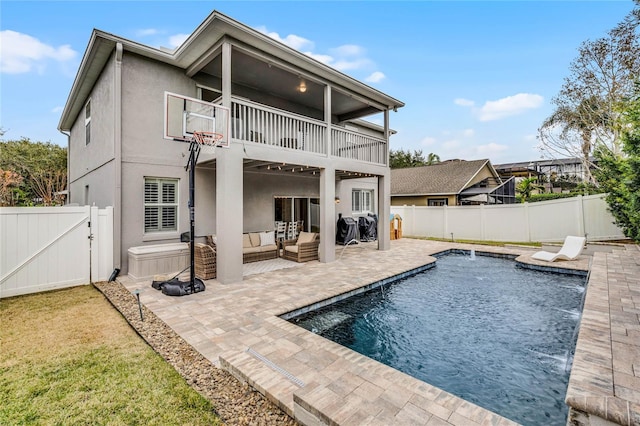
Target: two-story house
column 297, row 140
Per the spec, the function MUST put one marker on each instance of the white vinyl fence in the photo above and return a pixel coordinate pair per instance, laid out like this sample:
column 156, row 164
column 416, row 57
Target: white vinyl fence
column 46, row 248
column 545, row 221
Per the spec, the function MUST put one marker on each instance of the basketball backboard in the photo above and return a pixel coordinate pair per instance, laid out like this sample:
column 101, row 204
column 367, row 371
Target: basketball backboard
column 185, row 115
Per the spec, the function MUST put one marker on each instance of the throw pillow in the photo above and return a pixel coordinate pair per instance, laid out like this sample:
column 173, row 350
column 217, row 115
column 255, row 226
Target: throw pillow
column 306, row 237
column 255, row 239
column 267, row 238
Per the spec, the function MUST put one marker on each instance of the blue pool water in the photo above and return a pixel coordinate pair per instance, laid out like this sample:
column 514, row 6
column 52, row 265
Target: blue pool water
column 484, row 329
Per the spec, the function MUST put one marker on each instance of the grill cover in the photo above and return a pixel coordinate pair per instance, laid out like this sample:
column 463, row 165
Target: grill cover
column 346, row 230
column 368, row 227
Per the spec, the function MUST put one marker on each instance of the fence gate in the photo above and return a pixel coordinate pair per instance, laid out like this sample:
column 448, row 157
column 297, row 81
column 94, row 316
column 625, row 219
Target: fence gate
column 45, row 248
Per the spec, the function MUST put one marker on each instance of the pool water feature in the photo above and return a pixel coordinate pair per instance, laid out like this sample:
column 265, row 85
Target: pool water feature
column 483, row 329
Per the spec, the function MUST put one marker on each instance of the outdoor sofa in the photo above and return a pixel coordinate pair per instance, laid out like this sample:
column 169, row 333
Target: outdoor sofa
column 256, row 246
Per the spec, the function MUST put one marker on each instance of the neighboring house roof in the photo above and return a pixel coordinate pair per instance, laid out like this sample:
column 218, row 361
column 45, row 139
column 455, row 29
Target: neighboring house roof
column 448, row 177
column 195, row 53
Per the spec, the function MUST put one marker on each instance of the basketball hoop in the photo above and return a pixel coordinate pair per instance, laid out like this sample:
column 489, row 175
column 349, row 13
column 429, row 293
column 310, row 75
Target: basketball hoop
column 207, row 138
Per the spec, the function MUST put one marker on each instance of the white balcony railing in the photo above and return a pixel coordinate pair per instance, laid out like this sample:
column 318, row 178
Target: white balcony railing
column 253, row 122
column 356, row 146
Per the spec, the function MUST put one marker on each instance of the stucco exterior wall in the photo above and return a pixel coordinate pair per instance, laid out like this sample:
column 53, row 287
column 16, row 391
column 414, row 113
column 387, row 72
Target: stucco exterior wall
column 143, row 85
column 133, row 235
column 344, row 190
column 90, row 162
column 100, row 189
column 145, row 153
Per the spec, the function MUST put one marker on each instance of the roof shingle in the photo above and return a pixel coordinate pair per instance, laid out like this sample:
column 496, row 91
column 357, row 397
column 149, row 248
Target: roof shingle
column 448, row 177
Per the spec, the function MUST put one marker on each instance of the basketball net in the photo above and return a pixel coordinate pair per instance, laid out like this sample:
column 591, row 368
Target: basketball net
column 207, row 140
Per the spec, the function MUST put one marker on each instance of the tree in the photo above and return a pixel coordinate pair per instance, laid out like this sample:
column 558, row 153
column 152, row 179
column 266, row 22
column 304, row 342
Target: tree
column 432, row 159
column 619, row 173
column 400, row 159
column 526, row 187
column 9, row 187
column 585, row 108
column 43, row 167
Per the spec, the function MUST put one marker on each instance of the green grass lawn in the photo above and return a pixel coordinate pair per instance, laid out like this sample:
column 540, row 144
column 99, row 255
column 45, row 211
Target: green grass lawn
column 68, row 357
column 485, row 243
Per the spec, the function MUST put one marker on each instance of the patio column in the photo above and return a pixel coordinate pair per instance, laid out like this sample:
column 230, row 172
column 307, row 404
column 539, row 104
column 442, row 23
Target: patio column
column 384, row 196
column 229, row 194
column 327, row 117
column 384, row 210
column 327, row 249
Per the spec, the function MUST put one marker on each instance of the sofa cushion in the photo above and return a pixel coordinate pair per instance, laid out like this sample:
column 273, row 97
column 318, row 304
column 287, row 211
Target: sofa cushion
column 267, row 238
column 306, row 237
column 248, row 250
column 271, row 247
column 255, row 239
column 246, row 241
column 291, row 249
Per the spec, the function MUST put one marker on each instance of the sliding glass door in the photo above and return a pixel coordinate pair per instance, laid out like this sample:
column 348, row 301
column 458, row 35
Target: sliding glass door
column 294, row 209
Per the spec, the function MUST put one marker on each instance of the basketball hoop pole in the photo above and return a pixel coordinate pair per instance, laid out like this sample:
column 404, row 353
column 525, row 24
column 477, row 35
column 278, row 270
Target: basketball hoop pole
column 194, row 152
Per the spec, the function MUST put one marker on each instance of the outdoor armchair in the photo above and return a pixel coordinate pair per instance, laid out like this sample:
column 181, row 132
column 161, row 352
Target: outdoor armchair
column 303, row 249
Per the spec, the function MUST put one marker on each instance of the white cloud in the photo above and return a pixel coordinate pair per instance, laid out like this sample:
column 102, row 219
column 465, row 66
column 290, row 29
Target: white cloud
column 347, row 57
column 56, row 110
column 511, row 105
column 355, row 64
column 375, row 77
column 463, row 102
column 468, row 133
column 20, row 53
column 348, row 50
column 451, row 144
column 490, row 149
column 177, row 40
column 292, row 40
column 428, row 141
column 147, row 32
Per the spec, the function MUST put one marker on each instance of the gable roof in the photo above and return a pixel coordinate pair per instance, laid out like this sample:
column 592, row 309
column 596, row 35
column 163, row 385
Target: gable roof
column 448, row 177
column 196, row 50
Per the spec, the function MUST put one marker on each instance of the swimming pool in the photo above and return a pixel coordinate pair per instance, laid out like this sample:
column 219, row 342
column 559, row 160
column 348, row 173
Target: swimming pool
column 483, row 329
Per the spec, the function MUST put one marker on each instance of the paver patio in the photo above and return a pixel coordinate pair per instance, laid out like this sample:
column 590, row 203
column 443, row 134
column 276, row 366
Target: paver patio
column 236, row 326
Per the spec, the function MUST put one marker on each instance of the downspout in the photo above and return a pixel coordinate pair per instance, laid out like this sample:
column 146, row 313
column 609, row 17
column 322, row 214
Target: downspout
column 117, row 119
column 68, row 135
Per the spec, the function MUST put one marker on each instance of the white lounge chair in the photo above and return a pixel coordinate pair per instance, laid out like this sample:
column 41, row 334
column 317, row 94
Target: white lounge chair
column 571, row 249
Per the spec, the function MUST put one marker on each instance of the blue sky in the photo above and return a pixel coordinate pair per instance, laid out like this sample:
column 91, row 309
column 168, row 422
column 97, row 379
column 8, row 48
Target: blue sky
column 477, row 77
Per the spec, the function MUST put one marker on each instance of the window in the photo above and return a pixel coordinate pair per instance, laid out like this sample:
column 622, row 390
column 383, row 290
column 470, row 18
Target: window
column 361, row 200
column 160, row 205
column 437, row 202
column 87, row 123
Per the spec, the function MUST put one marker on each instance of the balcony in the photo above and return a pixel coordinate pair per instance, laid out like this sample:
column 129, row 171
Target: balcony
column 257, row 123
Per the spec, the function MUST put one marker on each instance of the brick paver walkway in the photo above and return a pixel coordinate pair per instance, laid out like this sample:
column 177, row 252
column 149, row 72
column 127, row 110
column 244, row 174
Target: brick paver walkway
column 315, row 380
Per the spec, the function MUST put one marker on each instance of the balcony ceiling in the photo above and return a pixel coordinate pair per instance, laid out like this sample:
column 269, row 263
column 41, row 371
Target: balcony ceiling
column 257, row 74
column 287, row 169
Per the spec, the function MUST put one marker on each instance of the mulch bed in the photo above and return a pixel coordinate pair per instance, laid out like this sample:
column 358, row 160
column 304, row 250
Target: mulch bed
column 235, row 403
